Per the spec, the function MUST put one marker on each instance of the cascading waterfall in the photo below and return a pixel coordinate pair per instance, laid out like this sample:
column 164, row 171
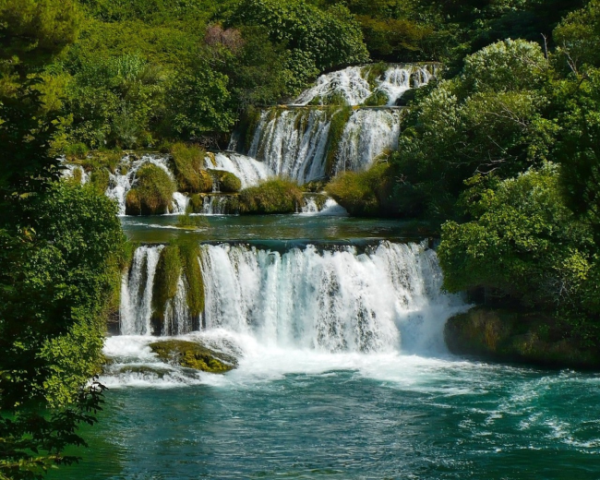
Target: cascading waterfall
column 247, row 169
column 368, row 134
column 354, row 85
column 218, row 205
column 333, row 299
column 296, row 142
column 124, row 177
column 136, row 292
column 293, row 143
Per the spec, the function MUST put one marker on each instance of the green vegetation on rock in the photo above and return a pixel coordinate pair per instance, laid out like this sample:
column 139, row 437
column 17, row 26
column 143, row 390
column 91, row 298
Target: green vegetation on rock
column 516, row 336
column 271, row 196
column 227, row 182
column 188, row 166
column 168, row 273
column 365, row 193
column 193, row 355
column 152, row 192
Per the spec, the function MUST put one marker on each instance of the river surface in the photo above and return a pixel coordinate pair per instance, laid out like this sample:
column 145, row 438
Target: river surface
column 317, row 400
column 342, row 416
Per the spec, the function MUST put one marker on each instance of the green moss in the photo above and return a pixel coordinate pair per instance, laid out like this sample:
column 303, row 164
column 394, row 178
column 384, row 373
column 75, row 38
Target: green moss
column 247, row 127
column 364, row 193
column 190, row 259
column 196, row 204
column 101, row 159
column 191, row 223
column 271, row 196
column 339, row 120
column 99, row 180
column 227, row 182
column 193, row 355
column 316, row 186
column 168, row 271
column 188, row 165
column 377, row 99
column 376, row 71
column 152, row 192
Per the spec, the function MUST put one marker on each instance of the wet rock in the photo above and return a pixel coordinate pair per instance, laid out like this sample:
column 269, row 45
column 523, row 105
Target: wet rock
column 193, row 355
column 512, row 336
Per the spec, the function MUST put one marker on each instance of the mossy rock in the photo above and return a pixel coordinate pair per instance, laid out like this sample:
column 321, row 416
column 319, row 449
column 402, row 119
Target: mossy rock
column 193, row 355
column 377, row 99
column 275, row 196
column 318, row 198
column 227, row 182
column 514, row 336
column 188, row 166
column 152, row 192
column 100, row 179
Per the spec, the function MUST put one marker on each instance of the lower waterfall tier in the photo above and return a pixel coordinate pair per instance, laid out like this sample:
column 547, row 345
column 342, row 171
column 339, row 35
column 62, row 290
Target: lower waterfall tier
column 334, row 298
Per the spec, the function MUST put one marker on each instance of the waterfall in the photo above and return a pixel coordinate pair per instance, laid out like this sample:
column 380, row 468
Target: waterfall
column 123, row 179
column 136, row 292
column 296, row 143
column 292, row 143
column 327, row 299
column 219, row 205
column 354, row 85
column 368, row 134
column 247, row 169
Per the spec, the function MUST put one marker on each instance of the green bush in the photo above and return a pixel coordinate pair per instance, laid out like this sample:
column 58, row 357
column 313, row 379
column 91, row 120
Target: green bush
column 168, row 272
column 523, row 242
column 364, row 193
column 271, row 196
column 152, row 192
column 188, row 165
column 99, row 180
column 226, row 181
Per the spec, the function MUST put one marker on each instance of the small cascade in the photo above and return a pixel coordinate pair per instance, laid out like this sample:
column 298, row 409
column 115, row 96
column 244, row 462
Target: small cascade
column 123, row 179
column 355, row 85
column 71, row 171
column 368, row 134
column 293, row 143
column 320, row 204
column 336, row 299
column 136, row 292
column 247, row 169
column 297, row 142
column 180, row 203
column 221, row 204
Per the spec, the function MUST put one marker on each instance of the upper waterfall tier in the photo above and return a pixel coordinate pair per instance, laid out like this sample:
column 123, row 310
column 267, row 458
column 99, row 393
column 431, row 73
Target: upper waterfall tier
column 381, row 85
column 311, row 144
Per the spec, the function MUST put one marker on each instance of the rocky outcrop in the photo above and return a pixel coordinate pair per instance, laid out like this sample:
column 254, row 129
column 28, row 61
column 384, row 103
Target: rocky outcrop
column 193, row 355
column 512, row 336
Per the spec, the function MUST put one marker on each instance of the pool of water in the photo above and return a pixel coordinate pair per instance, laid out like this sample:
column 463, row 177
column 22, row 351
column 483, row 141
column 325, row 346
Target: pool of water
column 302, row 415
column 230, row 228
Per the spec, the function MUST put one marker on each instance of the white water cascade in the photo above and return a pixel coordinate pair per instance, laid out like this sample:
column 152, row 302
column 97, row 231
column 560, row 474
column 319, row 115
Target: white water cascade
column 296, row 143
column 368, row 134
column 333, row 299
column 247, row 169
column 293, row 143
column 354, row 85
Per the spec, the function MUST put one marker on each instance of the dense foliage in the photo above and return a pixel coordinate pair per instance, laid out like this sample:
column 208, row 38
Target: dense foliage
column 61, row 249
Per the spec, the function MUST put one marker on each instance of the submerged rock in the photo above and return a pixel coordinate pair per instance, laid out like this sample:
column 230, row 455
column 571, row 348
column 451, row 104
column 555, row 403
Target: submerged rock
column 193, row 355
column 511, row 336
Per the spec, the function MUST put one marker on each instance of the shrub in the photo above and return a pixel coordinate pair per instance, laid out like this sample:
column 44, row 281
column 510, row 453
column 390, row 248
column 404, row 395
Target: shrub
column 168, row 271
column 152, row 192
column 227, row 182
column 99, row 180
column 364, row 193
column 271, row 196
column 188, row 163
